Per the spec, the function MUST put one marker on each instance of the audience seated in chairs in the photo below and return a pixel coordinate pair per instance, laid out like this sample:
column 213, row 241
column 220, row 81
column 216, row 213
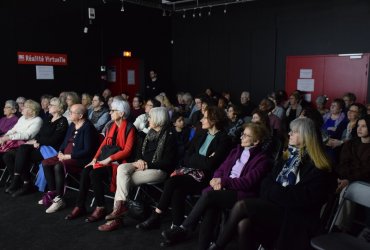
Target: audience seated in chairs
column 238, row 177
column 26, row 128
column 354, row 165
column 78, row 147
column 122, row 134
column 355, row 111
column 287, row 213
column 45, row 143
column 155, row 160
column 208, row 149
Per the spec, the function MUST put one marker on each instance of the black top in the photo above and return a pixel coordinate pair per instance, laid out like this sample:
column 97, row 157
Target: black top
column 220, row 147
column 52, row 133
column 300, row 203
column 167, row 161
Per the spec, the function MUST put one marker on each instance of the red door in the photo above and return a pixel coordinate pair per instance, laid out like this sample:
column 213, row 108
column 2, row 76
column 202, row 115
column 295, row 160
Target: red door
column 331, row 75
column 124, row 76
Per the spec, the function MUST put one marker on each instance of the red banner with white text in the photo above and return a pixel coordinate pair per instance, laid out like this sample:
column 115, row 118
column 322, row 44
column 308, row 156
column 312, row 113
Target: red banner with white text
column 41, row 58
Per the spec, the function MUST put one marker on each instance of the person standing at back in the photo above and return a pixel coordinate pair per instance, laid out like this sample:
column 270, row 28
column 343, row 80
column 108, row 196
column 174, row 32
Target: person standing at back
column 153, row 86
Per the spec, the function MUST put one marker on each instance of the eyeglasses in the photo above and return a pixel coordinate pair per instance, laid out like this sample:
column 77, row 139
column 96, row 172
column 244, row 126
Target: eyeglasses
column 243, row 135
column 73, row 112
column 6, row 107
column 52, row 105
column 353, row 111
column 112, row 110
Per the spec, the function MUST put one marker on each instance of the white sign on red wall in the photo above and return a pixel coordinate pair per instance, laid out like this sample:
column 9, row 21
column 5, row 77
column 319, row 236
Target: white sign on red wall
column 41, row 58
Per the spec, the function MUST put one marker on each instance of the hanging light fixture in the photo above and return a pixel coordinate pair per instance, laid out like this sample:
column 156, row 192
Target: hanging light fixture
column 225, row 9
column 209, row 11
column 122, row 6
column 183, row 14
column 200, row 12
column 193, row 13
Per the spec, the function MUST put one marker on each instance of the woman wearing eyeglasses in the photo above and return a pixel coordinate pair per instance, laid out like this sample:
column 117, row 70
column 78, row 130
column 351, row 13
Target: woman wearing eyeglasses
column 10, row 119
column 120, row 133
column 155, row 160
column 79, row 145
column 287, row 214
column 238, row 177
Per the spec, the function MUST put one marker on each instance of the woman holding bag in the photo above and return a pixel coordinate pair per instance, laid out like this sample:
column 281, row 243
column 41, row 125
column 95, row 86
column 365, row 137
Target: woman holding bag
column 155, row 160
column 51, row 134
column 120, row 137
column 26, row 128
column 207, row 151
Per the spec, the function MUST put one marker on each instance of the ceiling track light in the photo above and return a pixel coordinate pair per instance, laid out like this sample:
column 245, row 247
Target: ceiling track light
column 209, row 11
column 193, row 13
column 122, row 7
column 183, row 14
column 200, row 12
column 225, row 10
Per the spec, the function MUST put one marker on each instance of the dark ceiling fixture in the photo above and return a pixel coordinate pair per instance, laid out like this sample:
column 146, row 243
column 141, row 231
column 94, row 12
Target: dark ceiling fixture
column 176, row 5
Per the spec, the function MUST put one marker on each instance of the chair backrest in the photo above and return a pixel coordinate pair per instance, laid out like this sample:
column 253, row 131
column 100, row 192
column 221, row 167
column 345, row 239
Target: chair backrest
column 358, row 192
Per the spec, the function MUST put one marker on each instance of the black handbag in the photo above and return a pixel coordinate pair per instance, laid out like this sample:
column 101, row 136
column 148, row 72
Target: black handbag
column 108, row 150
column 138, row 209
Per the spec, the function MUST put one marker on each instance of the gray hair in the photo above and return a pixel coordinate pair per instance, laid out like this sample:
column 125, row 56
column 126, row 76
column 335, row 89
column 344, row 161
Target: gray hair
column 122, row 106
column 187, row 98
column 20, row 99
column 59, row 104
column 13, row 104
column 159, row 116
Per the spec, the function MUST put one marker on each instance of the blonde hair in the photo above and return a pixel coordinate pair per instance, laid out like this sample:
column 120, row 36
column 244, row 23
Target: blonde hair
column 310, row 142
column 33, row 105
column 59, row 104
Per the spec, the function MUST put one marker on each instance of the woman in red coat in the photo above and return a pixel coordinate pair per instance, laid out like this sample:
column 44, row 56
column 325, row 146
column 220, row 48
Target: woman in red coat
column 99, row 169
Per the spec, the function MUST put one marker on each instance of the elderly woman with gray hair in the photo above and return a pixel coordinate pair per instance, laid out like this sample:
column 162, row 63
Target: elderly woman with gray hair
column 121, row 135
column 155, row 159
column 9, row 119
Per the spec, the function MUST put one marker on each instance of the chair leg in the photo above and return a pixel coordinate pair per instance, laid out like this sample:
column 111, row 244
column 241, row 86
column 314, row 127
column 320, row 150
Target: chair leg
column 3, row 174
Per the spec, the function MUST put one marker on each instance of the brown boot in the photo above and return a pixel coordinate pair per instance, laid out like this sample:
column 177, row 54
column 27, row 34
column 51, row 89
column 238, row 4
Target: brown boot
column 98, row 214
column 119, row 210
column 110, row 225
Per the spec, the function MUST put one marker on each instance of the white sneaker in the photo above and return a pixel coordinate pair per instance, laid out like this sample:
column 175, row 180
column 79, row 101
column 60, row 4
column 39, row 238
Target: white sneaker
column 58, row 204
column 40, row 202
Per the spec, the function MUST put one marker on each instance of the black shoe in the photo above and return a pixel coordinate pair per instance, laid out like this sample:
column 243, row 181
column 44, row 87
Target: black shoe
column 25, row 189
column 213, row 246
column 175, row 234
column 16, row 183
column 154, row 221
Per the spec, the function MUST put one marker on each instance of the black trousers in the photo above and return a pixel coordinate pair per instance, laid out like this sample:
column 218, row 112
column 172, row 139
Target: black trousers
column 95, row 178
column 210, row 206
column 55, row 177
column 254, row 221
column 175, row 191
column 21, row 159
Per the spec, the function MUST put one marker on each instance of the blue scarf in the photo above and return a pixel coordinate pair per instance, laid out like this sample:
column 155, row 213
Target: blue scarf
column 288, row 175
